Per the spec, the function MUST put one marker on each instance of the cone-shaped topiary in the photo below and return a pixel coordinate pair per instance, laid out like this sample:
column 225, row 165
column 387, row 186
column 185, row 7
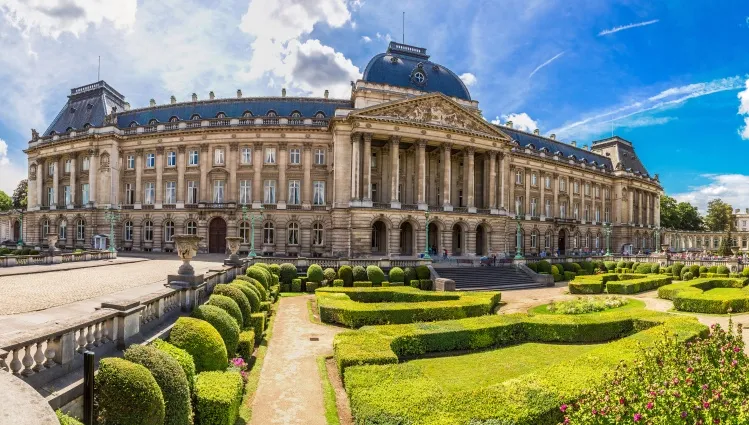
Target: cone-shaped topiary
column 181, row 356
column 225, row 325
column 347, row 275
column 202, row 341
column 229, row 305
column 314, row 273
column 127, row 394
column 238, row 297
column 287, row 273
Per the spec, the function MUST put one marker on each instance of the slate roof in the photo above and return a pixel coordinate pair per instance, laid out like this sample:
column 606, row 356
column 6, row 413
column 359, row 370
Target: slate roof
column 627, row 156
column 397, row 66
column 553, row 146
column 88, row 104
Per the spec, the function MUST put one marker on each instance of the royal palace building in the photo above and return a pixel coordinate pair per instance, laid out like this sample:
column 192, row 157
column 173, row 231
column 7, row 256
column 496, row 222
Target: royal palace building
column 331, row 177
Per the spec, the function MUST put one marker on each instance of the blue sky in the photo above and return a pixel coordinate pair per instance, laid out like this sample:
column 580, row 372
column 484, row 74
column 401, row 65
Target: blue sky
column 668, row 74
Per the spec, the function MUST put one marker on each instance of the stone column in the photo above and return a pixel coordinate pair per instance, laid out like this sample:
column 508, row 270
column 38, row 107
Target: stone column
column 181, row 176
column 647, row 209
column 56, row 182
column 446, row 176
column 421, row 199
column 394, row 171
column 138, row 180
column 307, row 183
column 512, row 205
column 73, row 181
column 527, row 195
column 657, row 212
column 555, row 186
column 542, row 204
column 355, row 142
column 93, row 171
column 493, row 182
column 631, row 206
column 257, row 176
column 159, row 177
column 367, row 172
column 283, row 159
column 205, row 193
column 40, row 171
column 469, row 152
column 232, row 190
column 503, row 181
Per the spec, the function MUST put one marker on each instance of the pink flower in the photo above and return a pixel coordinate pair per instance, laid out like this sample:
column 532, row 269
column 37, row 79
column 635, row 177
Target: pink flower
column 650, row 405
column 563, row 408
column 637, row 417
column 736, row 349
column 683, row 414
column 706, row 405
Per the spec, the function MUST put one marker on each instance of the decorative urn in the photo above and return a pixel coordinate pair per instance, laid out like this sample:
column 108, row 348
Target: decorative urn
column 187, row 247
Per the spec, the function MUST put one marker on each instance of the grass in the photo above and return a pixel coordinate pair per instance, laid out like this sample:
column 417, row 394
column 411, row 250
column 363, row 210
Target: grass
column 245, row 410
column 331, row 410
column 291, row 294
column 633, row 304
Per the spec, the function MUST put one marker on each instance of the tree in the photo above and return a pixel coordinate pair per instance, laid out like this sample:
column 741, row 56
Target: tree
column 669, row 215
column 20, row 195
column 720, row 217
column 679, row 216
column 6, row 202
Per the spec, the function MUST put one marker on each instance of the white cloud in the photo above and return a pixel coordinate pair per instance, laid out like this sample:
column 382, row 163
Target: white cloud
column 521, row 121
column 626, row 27
column 387, row 37
column 545, row 63
column 366, row 39
column 731, row 188
column 468, row 79
column 10, row 172
column 53, row 17
column 744, row 110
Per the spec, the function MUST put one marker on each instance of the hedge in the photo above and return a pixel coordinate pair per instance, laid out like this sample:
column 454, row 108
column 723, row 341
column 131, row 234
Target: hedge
column 708, row 295
column 127, row 394
column 246, row 344
column 228, row 305
column 258, row 325
column 329, row 274
column 261, row 291
column 170, row 377
column 362, row 284
column 226, row 326
column 218, row 396
column 63, row 418
column 422, row 272
column 312, row 286
column 396, row 275
column 315, row 274
column 260, row 274
column 375, row 275
column 296, row 285
column 347, row 275
column 634, row 286
column 415, row 283
column 238, row 296
column 617, row 283
column 426, row 284
column 409, row 274
column 202, row 341
column 250, row 292
column 274, row 269
column 360, row 273
column 287, row 273
column 356, row 307
column 181, row 356
column 338, row 282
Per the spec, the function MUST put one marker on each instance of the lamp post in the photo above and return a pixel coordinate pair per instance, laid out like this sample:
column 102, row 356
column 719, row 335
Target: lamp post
column 112, row 215
column 657, row 238
column 252, row 232
column 607, row 232
column 426, row 242
column 244, row 218
column 20, row 229
column 519, row 239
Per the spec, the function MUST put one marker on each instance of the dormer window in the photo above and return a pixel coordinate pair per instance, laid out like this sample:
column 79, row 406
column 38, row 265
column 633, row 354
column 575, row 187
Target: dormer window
column 296, row 114
column 173, row 119
column 221, row 115
column 195, row 117
column 153, row 122
column 86, row 126
column 272, row 113
column 247, row 114
column 69, row 129
column 320, row 114
column 133, row 124
column 52, row 133
column 89, row 106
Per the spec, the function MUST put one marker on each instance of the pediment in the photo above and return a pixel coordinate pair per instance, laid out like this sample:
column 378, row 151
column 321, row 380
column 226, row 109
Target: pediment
column 432, row 109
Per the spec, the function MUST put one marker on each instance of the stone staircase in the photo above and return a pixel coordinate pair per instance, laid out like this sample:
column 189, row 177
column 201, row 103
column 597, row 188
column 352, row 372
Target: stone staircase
column 488, row 278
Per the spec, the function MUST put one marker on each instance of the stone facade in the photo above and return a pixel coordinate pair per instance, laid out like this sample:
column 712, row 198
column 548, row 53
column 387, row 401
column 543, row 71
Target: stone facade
column 356, row 181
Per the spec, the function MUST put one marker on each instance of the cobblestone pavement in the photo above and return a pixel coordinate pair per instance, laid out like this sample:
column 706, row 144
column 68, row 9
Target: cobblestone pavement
column 49, row 268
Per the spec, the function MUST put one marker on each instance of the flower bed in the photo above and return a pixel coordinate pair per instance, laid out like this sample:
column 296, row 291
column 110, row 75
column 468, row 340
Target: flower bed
column 361, row 306
column 708, row 295
column 617, row 283
column 583, row 305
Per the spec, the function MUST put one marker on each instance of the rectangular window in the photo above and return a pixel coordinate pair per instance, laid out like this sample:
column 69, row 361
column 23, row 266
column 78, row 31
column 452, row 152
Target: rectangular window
column 547, row 241
column 270, row 192
column 171, row 159
column 563, row 185
column 319, row 157
column 518, row 205
column 533, row 207
column 84, row 194
column 245, row 192
column 129, row 194
column 606, row 215
column 400, row 193
column 218, row 157
column 587, row 212
column 587, row 189
column 193, row 158
column 85, row 163
column 192, row 192
column 68, row 162
column 294, row 192
column 598, row 214
column 150, row 160
column 576, row 211
column 51, row 196
column 150, row 193
column 576, row 187
column 547, row 182
column 534, row 181
column 51, row 169
column 218, row 191
column 547, row 208
column 318, row 197
column 374, row 193
column 563, row 210
column 598, row 192
column 170, row 193
column 66, row 193
column 270, row 155
column 374, row 160
column 518, row 177
column 246, row 156
column 130, row 162
column 294, row 156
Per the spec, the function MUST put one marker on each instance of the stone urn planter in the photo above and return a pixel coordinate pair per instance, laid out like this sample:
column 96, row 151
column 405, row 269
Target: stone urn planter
column 187, row 247
column 233, row 243
column 664, row 247
column 735, row 250
column 52, row 242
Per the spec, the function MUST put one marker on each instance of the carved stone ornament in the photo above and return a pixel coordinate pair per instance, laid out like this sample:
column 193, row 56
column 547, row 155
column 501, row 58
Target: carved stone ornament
column 32, row 172
column 187, row 247
column 233, row 243
column 104, row 161
column 34, row 135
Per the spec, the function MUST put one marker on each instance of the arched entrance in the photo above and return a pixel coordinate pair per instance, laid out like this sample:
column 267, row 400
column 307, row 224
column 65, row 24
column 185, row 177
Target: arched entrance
column 17, row 230
column 562, row 242
column 458, row 242
column 379, row 238
column 434, row 239
column 407, row 239
column 482, row 247
column 217, row 236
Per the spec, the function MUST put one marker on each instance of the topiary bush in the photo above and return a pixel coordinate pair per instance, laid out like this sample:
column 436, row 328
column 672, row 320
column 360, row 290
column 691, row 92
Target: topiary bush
column 315, row 274
column 621, row 265
column 676, row 269
column 695, row 270
column 687, row 276
column 346, row 274
column 311, row 286
column 225, row 325
column 338, row 282
column 238, row 296
column 375, row 275
column 329, row 274
column 202, row 341
column 246, row 344
column 422, row 272
column 274, row 269
column 655, row 268
column 287, row 273
column 228, row 305
column 533, row 266
column 544, row 266
column 745, row 271
column 712, row 269
column 643, row 268
column 409, row 274
column 396, row 275
column 362, row 284
column 181, row 356
column 170, row 377
column 218, row 396
column 360, row 273
column 723, row 270
column 414, row 283
column 704, row 270
column 258, row 325
column 261, row 292
column 127, row 394
column 260, row 274
column 250, row 292
column 426, row 284
column 296, row 285
column 63, row 418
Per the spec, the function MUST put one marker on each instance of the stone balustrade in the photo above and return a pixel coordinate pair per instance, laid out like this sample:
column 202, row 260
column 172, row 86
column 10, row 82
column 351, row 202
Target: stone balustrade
column 303, row 262
column 31, row 260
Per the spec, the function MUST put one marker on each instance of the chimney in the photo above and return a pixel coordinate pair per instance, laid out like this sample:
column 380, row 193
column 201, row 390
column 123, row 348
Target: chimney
column 127, row 106
column 573, row 143
column 326, row 94
column 152, row 103
column 586, row 147
column 173, row 100
column 211, row 95
column 239, row 93
column 553, row 136
column 283, row 92
column 536, row 131
column 194, row 97
column 508, row 124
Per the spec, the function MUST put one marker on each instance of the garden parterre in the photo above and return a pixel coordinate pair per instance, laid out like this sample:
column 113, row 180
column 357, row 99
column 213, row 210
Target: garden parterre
column 708, row 295
column 613, row 283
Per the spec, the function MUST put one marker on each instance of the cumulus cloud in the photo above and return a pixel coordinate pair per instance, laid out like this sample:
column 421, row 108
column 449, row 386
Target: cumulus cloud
column 468, row 79
column 366, row 39
column 731, row 188
column 10, row 172
column 744, row 110
column 521, row 121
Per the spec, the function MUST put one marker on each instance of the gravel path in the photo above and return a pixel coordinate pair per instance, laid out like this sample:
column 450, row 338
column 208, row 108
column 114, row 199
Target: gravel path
column 290, row 391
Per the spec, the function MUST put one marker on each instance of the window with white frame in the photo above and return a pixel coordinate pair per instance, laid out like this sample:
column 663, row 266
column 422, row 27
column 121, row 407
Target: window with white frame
column 605, row 194
column 598, row 214
column 586, row 212
column 586, row 241
column 547, row 240
column 218, row 191
column 150, row 193
column 270, row 155
column 45, row 228
column 130, row 162
column 606, row 217
column 318, row 197
column 193, row 158
column 562, row 185
column 84, row 194
column 534, row 179
column 127, row 231
column 50, row 196
column 373, row 163
column 518, row 177
column 150, row 160
column 533, row 207
column 518, row 205
column 244, row 231
column 171, row 159
column 563, row 210
column 218, row 156
column 547, row 182
column 576, row 187
column 51, row 169
column 318, row 233
column 547, row 208
column 245, row 192
column 598, row 242
column 576, row 211
column 191, row 228
column 575, row 241
column 295, row 157
column 170, row 193
column 319, row 156
column 269, row 192
column 85, row 163
column 148, row 231
column 293, row 234
column 294, row 198
column 66, row 194
column 587, row 189
column 534, row 239
column 168, row 231
column 80, row 230
column 68, row 163
column 246, row 156
column 192, row 192
column 62, row 230
column 598, row 191
column 268, row 233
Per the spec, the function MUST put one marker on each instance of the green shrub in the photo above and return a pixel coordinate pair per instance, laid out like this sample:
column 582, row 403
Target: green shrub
column 218, row 396
column 637, row 284
column 312, row 286
column 229, row 305
column 422, row 272
column 703, row 271
column 585, row 287
column 582, row 305
column 695, row 270
column 181, row 356
column 226, row 326
column 713, row 295
column 315, row 274
column 610, row 265
column 286, row 287
column 544, row 266
column 745, row 272
column 670, row 270
column 127, row 394
column 415, row 283
column 258, row 325
column 170, row 377
column 569, row 275
column 396, row 274
column 256, row 286
column 250, row 292
column 621, row 265
column 265, row 305
column 259, row 274
column 375, row 275
column 238, row 296
column 687, row 276
column 683, row 271
column 329, row 274
column 246, row 344
column 426, row 284
column 723, row 270
column 533, row 266
column 264, row 266
column 287, row 273
column 360, row 273
column 296, row 285
column 338, row 282
column 202, row 341
column 643, row 268
column 409, row 274
column 677, row 269
column 629, row 264
column 347, row 275
column 712, row 269
column 63, row 418
column 655, row 268
column 362, row 284
column 274, row 269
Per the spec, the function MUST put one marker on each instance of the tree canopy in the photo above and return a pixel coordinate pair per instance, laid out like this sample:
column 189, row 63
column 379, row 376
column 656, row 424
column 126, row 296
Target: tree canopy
column 679, row 216
column 20, row 195
column 6, row 202
column 719, row 217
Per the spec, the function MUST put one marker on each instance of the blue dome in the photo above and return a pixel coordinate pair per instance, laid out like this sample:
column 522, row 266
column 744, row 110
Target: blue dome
column 408, row 66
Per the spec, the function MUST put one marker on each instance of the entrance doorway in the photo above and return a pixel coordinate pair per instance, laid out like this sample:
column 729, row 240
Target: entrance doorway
column 379, row 238
column 434, row 239
column 407, row 239
column 562, row 242
column 217, row 236
column 457, row 240
column 17, row 230
column 481, row 241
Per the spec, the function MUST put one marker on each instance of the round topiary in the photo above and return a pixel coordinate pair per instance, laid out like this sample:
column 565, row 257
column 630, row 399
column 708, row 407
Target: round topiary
column 422, row 272
column 127, row 394
column 287, row 273
column 202, row 341
column 703, row 271
column 745, row 272
column 676, row 269
column 409, row 274
column 533, row 266
column 695, row 270
column 263, row 265
column 396, row 275
column 544, row 266
column 181, row 356
column 723, row 270
column 687, row 276
column 238, row 297
column 258, row 287
column 259, row 274
column 225, row 325
column 329, row 274
column 712, row 269
column 229, row 305
column 346, row 274
column 655, row 268
column 171, row 379
column 250, row 292
column 375, row 275
column 360, row 274
column 314, row 273
column 274, row 269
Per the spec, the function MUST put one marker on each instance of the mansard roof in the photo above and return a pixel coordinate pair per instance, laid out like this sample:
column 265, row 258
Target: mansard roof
column 88, row 104
column 553, row 146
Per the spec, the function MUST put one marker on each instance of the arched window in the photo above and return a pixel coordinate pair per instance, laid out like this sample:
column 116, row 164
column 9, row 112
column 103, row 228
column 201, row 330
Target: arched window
column 247, row 114
column 153, row 121
column 195, row 117
column 45, row 228
column 244, row 231
column 272, row 113
column 191, row 228
column 588, row 239
column 318, row 234
column 293, row 234
column 296, row 114
column 221, row 115
column 319, row 114
column 174, row 119
column 62, row 230
column 169, row 231
column 547, row 240
column 127, row 231
column 80, row 229
column 576, row 240
column 133, row 124
column 268, row 233
column 148, row 231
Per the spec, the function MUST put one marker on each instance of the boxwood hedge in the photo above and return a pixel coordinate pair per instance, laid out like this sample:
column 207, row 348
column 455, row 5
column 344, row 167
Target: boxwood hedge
column 260, row 274
column 708, row 295
column 617, row 283
column 246, row 344
column 258, row 325
column 225, row 325
column 127, row 394
column 229, row 305
column 218, row 396
column 238, row 296
column 250, row 292
column 182, row 357
column 202, row 341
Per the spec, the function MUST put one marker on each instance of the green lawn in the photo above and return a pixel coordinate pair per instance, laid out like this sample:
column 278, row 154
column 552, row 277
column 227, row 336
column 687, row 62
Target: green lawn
column 631, row 305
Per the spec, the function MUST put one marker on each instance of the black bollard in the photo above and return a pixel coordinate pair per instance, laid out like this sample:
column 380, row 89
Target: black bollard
column 88, row 388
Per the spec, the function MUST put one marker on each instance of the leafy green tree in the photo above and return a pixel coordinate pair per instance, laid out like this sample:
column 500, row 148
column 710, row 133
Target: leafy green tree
column 6, row 202
column 688, row 217
column 720, row 217
column 669, row 215
column 20, row 195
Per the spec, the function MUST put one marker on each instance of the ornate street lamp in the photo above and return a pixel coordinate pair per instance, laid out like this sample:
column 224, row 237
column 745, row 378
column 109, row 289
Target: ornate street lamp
column 244, row 218
column 657, row 238
column 252, row 232
column 20, row 229
column 426, row 242
column 519, row 240
column 112, row 215
column 607, row 232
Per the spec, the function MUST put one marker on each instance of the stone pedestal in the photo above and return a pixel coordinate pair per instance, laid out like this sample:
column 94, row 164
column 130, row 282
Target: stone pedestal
column 442, row 284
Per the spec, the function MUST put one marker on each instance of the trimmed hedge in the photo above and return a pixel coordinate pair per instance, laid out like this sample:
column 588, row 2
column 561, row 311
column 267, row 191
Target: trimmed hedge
column 375, row 275
column 226, row 326
column 329, row 274
column 312, row 286
column 127, row 394
column 260, row 274
column 181, row 356
column 409, row 274
column 258, row 325
column 634, row 286
column 708, row 295
column 362, row 284
column 338, row 282
column 617, row 283
column 296, row 285
column 238, row 296
column 246, row 344
column 426, row 284
column 250, row 292
column 396, row 275
column 360, row 273
column 274, row 269
column 218, row 396
column 356, row 307
column 202, row 341
column 347, row 275
column 315, row 273
column 170, row 377
column 422, row 272
column 228, row 305
column 287, row 273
